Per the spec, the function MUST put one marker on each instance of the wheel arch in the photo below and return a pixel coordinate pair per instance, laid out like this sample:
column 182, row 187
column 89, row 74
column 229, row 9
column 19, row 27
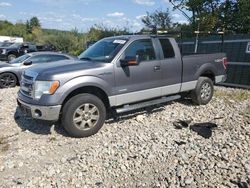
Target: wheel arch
column 207, row 70
column 94, row 90
column 209, row 74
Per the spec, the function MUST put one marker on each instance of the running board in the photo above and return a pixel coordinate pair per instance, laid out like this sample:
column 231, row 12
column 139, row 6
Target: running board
column 128, row 107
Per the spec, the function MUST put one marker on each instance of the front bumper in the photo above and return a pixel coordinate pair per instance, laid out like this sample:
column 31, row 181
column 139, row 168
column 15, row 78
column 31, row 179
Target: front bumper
column 220, row 78
column 48, row 113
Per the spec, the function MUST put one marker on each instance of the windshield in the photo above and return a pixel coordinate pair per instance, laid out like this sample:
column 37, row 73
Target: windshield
column 15, row 45
column 103, row 51
column 5, row 44
column 20, row 59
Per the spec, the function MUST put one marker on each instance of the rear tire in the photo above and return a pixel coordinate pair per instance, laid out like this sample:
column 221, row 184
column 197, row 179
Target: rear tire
column 83, row 115
column 203, row 92
column 7, row 80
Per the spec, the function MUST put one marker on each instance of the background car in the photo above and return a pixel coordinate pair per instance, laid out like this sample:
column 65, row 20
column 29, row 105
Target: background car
column 10, row 73
column 5, row 44
column 16, row 50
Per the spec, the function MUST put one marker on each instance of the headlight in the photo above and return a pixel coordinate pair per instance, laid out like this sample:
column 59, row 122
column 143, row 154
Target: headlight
column 3, row 51
column 45, row 87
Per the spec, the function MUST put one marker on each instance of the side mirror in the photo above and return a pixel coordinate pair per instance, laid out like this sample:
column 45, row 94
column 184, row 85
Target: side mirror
column 26, row 63
column 129, row 61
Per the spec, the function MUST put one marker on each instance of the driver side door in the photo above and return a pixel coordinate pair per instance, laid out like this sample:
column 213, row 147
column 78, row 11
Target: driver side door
column 138, row 82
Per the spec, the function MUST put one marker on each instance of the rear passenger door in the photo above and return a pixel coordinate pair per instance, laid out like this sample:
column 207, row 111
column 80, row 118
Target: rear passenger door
column 139, row 82
column 171, row 66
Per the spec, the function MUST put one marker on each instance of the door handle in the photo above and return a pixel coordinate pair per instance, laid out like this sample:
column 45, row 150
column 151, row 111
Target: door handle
column 157, row 68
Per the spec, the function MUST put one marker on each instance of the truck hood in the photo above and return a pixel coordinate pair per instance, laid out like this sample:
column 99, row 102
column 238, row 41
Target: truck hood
column 63, row 68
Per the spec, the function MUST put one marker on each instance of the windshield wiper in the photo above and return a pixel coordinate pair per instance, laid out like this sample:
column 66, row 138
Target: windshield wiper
column 86, row 58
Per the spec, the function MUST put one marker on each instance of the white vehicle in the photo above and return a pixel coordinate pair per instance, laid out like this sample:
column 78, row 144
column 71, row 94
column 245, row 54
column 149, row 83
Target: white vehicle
column 11, row 39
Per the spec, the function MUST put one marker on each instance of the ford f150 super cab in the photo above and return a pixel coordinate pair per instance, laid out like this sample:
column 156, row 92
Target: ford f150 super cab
column 120, row 73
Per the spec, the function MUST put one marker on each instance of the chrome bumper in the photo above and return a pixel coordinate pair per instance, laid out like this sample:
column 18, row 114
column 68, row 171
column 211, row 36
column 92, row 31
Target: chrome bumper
column 49, row 113
column 220, row 78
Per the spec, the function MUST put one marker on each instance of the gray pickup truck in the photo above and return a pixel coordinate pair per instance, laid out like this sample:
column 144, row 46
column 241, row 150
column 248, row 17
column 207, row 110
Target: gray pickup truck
column 117, row 74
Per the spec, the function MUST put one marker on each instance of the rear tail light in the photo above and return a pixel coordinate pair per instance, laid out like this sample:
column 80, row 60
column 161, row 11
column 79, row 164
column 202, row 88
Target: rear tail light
column 225, row 63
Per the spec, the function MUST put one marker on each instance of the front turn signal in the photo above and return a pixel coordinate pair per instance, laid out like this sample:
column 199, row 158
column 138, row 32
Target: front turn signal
column 54, row 87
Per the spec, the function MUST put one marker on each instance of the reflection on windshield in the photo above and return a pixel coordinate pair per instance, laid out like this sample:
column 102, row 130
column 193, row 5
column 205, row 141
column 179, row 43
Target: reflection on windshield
column 20, row 59
column 15, row 45
column 103, row 51
column 5, row 44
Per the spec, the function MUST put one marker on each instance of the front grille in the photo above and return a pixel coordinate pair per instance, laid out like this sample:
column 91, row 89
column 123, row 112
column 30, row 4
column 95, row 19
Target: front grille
column 26, row 86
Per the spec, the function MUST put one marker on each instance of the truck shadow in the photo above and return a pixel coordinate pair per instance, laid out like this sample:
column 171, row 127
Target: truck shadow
column 114, row 118
column 37, row 126
column 46, row 128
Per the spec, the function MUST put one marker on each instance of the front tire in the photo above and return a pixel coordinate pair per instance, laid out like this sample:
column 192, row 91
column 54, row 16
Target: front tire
column 7, row 80
column 203, row 92
column 11, row 57
column 83, row 115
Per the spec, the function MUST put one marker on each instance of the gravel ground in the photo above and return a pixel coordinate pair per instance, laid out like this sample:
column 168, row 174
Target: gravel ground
column 147, row 148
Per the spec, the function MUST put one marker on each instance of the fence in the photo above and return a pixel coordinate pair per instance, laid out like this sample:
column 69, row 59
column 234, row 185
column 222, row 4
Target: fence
column 237, row 48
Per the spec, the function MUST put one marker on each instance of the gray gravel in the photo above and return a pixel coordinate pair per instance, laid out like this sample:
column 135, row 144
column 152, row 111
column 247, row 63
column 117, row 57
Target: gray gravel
column 139, row 149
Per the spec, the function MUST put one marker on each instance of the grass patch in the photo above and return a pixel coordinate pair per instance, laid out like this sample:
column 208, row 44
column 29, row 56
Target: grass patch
column 239, row 95
column 5, row 148
column 4, row 145
column 52, row 138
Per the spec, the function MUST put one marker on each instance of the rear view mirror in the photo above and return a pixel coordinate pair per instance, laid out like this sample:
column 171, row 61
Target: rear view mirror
column 26, row 63
column 129, row 61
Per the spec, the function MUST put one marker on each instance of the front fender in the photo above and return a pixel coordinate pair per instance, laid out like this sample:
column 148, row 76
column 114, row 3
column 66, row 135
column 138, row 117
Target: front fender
column 10, row 70
column 60, row 95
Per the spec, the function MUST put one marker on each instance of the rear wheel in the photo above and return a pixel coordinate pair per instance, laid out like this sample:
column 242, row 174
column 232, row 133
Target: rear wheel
column 7, row 80
column 11, row 57
column 83, row 115
column 203, row 92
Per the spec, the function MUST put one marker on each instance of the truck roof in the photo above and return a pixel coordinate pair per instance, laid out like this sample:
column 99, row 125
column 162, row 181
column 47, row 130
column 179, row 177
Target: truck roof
column 128, row 37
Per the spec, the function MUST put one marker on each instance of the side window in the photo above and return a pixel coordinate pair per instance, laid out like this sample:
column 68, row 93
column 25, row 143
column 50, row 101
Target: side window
column 57, row 58
column 167, row 48
column 143, row 49
column 39, row 59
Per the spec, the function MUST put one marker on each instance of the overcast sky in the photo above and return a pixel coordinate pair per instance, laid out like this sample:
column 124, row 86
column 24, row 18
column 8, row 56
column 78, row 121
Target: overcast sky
column 82, row 14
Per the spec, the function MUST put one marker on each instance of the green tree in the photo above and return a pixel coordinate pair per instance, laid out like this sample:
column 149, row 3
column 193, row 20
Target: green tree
column 216, row 15
column 32, row 24
column 159, row 19
column 98, row 32
column 242, row 16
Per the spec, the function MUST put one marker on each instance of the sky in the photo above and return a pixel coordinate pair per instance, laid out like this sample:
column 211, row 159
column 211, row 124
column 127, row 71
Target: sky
column 82, row 14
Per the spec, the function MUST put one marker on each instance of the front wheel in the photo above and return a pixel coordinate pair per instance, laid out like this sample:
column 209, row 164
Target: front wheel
column 203, row 92
column 7, row 80
column 11, row 57
column 83, row 115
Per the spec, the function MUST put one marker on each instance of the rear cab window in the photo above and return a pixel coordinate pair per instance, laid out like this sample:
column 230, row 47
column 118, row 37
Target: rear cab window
column 167, row 48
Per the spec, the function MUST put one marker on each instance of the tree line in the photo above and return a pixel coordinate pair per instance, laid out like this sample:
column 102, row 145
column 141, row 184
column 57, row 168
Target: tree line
column 229, row 16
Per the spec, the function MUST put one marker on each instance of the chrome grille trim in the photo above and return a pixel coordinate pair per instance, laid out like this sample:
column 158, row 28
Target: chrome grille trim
column 27, row 83
column 26, row 86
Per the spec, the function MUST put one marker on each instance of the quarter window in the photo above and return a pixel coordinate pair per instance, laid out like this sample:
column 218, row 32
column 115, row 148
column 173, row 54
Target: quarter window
column 167, row 48
column 143, row 49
